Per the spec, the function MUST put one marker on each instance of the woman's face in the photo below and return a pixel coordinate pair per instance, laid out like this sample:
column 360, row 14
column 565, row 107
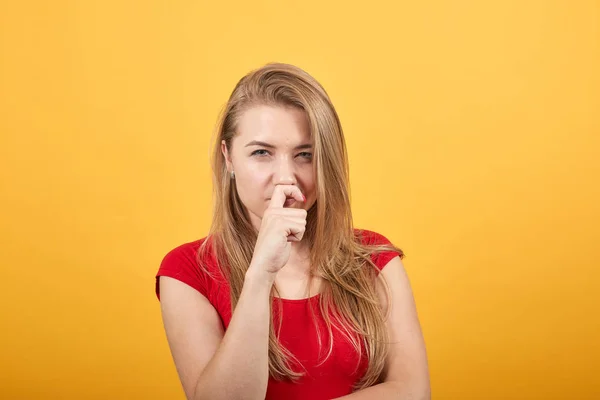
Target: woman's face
column 272, row 146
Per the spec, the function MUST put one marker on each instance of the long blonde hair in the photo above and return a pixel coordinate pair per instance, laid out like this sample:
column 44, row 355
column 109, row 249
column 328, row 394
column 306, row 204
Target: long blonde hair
column 349, row 301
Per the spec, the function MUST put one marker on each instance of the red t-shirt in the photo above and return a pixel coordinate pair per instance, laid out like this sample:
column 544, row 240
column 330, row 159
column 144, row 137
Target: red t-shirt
column 332, row 378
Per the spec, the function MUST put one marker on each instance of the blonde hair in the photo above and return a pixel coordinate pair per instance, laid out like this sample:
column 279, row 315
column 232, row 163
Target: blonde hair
column 349, row 300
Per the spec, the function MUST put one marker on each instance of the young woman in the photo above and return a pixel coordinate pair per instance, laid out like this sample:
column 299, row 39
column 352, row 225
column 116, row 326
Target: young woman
column 284, row 298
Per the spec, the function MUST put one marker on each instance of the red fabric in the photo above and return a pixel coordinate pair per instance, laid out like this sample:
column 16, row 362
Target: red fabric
column 333, row 378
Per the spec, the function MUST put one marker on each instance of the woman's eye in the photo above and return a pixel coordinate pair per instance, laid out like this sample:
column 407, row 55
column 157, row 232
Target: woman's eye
column 306, row 154
column 257, row 151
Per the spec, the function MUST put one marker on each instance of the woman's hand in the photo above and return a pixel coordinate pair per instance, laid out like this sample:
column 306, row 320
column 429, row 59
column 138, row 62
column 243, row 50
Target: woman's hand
column 280, row 225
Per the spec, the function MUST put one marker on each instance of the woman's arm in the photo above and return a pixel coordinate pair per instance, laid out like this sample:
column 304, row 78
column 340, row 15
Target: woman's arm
column 406, row 374
column 213, row 364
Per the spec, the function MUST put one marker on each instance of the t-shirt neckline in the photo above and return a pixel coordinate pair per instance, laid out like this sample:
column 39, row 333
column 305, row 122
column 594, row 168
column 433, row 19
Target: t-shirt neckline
column 303, row 300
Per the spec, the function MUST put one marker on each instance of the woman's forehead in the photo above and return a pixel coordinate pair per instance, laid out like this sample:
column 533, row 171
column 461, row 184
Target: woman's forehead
column 275, row 126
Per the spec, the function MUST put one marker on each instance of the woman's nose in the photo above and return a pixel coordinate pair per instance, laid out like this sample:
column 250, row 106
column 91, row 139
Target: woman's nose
column 285, row 173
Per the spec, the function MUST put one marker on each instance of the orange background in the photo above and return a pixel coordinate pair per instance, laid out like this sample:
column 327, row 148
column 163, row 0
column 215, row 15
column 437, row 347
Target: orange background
column 473, row 130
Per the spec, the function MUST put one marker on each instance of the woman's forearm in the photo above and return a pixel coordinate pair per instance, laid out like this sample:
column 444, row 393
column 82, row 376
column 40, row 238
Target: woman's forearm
column 388, row 391
column 239, row 368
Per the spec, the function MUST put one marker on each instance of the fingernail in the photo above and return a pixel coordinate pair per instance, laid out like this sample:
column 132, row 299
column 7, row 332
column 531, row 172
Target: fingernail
column 303, row 197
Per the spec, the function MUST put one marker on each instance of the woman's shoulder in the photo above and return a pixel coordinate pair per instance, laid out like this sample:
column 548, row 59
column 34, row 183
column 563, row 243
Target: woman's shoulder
column 374, row 238
column 186, row 263
column 370, row 237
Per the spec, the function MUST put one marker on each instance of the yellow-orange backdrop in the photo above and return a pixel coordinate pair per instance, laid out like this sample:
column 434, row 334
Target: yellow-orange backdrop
column 473, row 130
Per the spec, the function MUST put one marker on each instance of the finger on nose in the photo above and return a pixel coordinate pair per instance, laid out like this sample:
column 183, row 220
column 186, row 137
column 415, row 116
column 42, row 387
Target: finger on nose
column 283, row 192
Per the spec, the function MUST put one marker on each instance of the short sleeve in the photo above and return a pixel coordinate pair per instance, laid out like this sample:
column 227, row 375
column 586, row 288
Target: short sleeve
column 380, row 259
column 181, row 264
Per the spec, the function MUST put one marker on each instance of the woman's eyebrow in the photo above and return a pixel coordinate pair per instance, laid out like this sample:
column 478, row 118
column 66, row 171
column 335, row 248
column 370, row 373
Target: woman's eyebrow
column 264, row 144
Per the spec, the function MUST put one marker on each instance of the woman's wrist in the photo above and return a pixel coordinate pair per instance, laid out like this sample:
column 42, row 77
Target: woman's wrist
column 258, row 279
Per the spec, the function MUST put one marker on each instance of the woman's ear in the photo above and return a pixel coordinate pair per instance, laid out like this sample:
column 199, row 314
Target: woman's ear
column 226, row 156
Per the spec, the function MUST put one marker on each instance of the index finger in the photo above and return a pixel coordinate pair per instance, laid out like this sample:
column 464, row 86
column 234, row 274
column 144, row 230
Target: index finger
column 282, row 192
